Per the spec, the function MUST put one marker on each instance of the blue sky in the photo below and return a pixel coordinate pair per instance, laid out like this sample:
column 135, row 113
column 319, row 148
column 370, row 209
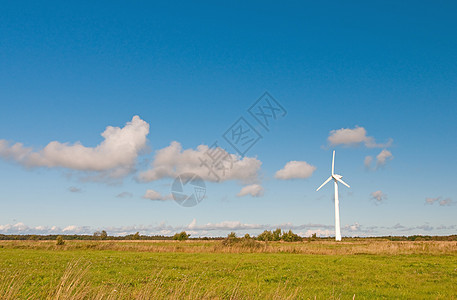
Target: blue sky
column 189, row 71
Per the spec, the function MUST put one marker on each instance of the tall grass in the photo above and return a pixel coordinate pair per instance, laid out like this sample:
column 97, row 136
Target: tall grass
column 251, row 246
column 75, row 284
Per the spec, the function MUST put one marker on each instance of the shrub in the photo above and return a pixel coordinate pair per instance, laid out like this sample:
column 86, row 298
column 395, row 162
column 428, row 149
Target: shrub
column 103, row 235
column 250, row 243
column 277, row 234
column 231, row 239
column 313, row 237
column 60, row 241
column 245, row 242
column 182, row 236
column 290, row 237
column 265, row 236
column 232, row 235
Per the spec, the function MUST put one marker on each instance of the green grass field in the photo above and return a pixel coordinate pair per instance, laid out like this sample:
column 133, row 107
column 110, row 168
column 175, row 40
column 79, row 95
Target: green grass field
column 200, row 269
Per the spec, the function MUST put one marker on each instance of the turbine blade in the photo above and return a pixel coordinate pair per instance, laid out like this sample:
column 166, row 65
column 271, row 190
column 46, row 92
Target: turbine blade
column 333, row 162
column 325, row 182
column 341, row 180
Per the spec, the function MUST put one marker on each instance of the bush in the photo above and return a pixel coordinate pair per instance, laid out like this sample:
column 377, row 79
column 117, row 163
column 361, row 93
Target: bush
column 60, row 241
column 265, row 236
column 231, row 239
column 250, row 243
column 277, row 234
column 245, row 242
column 100, row 235
column 136, row 236
column 313, row 237
column 182, row 236
column 232, row 235
column 290, row 237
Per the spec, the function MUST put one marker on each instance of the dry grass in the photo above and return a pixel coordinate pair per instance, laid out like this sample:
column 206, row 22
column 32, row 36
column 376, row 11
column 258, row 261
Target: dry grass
column 377, row 247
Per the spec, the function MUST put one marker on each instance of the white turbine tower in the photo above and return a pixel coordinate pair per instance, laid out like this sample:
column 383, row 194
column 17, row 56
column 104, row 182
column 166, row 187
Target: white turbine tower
column 336, row 178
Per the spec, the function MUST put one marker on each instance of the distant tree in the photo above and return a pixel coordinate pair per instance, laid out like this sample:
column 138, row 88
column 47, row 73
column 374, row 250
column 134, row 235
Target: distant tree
column 103, row 235
column 265, row 236
column 277, row 234
column 60, row 241
column 247, row 236
column 182, row 236
column 290, row 237
column 231, row 239
column 232, row 235
column 313, row 237
column 97, row 234
column 136, row 236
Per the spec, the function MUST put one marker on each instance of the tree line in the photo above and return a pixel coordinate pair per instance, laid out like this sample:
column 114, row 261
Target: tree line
column 267, row 235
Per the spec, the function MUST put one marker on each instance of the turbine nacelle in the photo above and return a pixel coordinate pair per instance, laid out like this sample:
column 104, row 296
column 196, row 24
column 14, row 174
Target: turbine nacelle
column 334, row 176
column 337, row 177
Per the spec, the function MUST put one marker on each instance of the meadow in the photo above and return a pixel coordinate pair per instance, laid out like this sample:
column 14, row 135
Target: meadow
column 193, row 269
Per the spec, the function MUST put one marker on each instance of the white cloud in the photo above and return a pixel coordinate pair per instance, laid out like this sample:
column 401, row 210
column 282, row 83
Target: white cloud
column 425, row 227
column 354, row 227
column 431, row 200
column 124, row 195
column 379, row 196
column 115, row 156
column 21, row 228
column 156, row 196
column 367, row 161
column 225, row 225
column 440, row 201
column 192, row 224
column 71, row 228
column 172, row 161
column 446, row 202
column 295, row 169
column 383, row 157
column 353, row 137
column 255, row 190
column 318, row 232
column 74, row 189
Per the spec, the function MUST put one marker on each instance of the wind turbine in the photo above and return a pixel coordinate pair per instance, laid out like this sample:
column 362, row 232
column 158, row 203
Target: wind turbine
column 336, row 178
